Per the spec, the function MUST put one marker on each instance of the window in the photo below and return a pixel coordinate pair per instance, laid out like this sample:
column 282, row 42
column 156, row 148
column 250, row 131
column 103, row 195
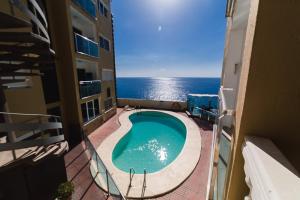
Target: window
column 50, row 85
column 83, row 112
column 96, row 106
column 103, row 9
column 107, row 75
column 104, row 43
column 90, row 110
column 108, row 92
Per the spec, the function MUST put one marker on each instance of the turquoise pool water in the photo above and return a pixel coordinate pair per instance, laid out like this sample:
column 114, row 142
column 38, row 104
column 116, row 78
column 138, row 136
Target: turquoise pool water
column 153, row 142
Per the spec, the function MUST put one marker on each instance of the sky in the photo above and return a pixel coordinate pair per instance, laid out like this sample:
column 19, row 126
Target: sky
column 169, row 38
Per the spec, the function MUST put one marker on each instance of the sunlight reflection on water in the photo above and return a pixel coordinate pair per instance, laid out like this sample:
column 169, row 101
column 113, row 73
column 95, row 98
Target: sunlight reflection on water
column 165, row 88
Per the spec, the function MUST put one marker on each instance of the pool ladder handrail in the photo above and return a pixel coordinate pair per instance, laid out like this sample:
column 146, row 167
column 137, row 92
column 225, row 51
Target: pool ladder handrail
column 144, row 182
column 131, row 174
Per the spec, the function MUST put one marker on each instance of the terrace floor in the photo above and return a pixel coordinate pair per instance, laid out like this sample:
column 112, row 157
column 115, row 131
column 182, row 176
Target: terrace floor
column 77, row 166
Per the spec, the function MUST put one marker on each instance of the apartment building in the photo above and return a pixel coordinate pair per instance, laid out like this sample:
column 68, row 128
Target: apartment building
column 85, row 63
column 257, row 145
column 80, row 85
column 57, row 75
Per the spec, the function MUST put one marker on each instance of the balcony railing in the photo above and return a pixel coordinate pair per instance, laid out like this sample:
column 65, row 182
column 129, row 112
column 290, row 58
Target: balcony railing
column 101, row 174
column 86, row 46
column 108, row 104
column 269, row 175
column 89, row 88
column 88, row 6
column 33, row 130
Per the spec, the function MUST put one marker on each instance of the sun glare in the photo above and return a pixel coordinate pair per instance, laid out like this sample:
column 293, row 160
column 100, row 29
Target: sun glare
column 167, row 3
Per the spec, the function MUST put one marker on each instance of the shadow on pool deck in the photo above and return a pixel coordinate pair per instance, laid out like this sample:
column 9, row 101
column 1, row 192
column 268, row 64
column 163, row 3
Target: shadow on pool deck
column 77, row 166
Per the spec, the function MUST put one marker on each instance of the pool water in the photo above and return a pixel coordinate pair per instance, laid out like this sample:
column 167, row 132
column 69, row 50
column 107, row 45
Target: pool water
column 153, row 142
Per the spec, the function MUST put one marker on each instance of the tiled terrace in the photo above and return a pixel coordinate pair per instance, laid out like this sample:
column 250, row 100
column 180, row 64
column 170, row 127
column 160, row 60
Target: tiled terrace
column 77, row 166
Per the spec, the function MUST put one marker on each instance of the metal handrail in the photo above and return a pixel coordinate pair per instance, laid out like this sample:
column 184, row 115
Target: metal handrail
column 144, row 182
column 86, row 38
column 31, row 129
column 18, row 4
column 131, row 174
column 91, row 81
column 29, row 114
column 108, row 175
column 207, row 111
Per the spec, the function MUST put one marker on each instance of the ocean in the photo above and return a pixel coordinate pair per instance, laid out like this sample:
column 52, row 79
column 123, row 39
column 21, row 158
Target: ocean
column 175, row 89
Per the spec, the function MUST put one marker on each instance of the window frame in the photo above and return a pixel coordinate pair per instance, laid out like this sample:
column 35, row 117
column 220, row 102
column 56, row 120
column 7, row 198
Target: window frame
column 103, row 9
column 87, row 110
column 104, row 39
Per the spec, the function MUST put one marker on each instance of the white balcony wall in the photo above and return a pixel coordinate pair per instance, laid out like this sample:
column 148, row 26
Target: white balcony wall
column 234, row 54
column 269, row 175
column 84, row 24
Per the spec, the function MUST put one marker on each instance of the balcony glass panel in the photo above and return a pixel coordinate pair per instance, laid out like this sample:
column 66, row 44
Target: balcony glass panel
column 91, row 110
column 225, row 146
column 89, row 88
column 86, row 46
column 88, row 6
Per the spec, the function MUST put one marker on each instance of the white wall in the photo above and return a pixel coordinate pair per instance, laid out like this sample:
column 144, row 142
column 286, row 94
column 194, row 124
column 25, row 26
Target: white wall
column 232, row 59
column 154, row 104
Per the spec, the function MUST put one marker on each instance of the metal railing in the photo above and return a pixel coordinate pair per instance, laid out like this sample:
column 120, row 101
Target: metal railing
column 37, row 19
column 112, row 189
column 86, row 46
column 131, row 174
column 205, row 114
column 32, row 130
column 89, row 88
column 108, row 104
column 144, row 182
column 88, row 6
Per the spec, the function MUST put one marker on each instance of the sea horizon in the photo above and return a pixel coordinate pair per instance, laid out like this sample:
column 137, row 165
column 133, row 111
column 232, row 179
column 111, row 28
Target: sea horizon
column 167, row 77
column 165, row 88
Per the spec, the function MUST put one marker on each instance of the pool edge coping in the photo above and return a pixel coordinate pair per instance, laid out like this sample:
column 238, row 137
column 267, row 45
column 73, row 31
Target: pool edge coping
column 162, row 181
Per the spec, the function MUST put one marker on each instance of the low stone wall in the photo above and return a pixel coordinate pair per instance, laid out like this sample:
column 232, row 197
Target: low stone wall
column 153, row 104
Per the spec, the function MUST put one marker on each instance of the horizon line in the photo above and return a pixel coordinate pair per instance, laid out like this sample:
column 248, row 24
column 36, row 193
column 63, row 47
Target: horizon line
column 168, row 77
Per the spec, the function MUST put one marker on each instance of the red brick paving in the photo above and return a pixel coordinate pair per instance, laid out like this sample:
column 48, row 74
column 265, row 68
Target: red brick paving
column 77, row 166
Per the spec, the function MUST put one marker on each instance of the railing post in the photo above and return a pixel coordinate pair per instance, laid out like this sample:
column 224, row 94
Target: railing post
column 107, row 181
column 96, row 161
column 57, row 130
column 130, row 177
column 76, row 44
column 145, row 184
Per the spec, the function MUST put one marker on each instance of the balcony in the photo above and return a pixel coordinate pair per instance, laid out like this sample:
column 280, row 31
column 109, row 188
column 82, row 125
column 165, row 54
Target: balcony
column 108, row 104
column 86, row 46
column 88, row 6
column 269, row 174
column 89, row 88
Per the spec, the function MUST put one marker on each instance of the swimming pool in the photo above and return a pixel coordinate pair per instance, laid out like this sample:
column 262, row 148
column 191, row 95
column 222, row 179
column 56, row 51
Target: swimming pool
column 165, row 143
column 153, row 142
